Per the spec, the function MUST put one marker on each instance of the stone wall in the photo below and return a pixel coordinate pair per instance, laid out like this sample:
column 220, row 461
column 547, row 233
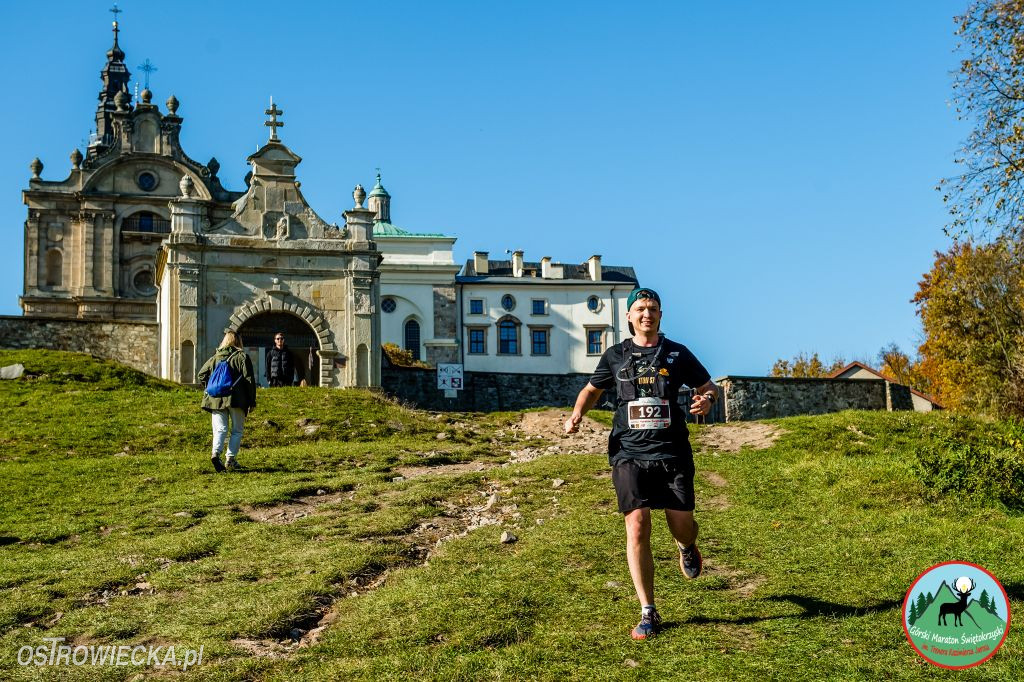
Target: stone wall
column 748, row 398
column 488, row 392
column 130, row 343
column 483, row 392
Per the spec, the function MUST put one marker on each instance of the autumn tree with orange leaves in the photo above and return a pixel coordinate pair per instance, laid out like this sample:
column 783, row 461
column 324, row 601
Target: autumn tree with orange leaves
column 971, row 306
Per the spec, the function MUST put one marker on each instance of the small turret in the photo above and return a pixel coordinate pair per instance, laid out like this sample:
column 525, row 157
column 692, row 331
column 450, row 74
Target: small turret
column 380, row 202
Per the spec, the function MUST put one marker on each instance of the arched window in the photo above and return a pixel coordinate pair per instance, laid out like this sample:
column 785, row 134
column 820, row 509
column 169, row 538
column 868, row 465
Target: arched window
column 54, row 268
column 508, row 336
column 412, row 338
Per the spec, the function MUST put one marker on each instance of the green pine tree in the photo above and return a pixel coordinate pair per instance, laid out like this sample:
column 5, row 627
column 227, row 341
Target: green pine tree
column 912, row 617
column 931, row 597
column 922, row 604
column 983, row 600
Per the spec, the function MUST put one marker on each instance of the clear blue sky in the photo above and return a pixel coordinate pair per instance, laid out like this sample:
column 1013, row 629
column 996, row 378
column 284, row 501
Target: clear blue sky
column 768, row 167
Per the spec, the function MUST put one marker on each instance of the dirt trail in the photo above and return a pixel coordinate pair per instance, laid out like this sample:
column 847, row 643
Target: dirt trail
column 736, row 436
column 485, row 507
column 293, row 510
column 590, row 438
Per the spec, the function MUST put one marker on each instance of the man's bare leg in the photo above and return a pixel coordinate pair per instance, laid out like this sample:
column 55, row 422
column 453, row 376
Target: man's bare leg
column 684, row 530
column 682, row 526
column 638, row 554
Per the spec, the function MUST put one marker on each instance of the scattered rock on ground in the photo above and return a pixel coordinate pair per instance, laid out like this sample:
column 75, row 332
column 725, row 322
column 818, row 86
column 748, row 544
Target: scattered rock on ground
column 507, row 538
column 12, row 371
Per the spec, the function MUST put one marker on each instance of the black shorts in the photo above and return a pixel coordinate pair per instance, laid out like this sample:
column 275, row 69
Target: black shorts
column 657, row 484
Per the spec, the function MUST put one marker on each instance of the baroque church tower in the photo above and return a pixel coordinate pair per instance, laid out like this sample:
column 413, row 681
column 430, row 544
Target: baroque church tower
column 91, row 239
column 140, row 233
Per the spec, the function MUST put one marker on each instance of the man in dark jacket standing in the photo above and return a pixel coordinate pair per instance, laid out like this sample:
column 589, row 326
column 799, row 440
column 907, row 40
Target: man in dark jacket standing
column 280, row 365
column 649, row 448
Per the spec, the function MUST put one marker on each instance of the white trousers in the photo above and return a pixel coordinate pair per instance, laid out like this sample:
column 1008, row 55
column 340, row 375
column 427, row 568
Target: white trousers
column 220, row 430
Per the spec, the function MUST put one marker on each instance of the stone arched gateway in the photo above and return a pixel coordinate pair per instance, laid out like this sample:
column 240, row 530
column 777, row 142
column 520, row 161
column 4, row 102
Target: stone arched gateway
column 274, row 254
column 285, row 304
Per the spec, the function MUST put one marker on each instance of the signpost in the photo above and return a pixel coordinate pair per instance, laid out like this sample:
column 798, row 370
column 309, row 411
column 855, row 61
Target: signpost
column 449, row 379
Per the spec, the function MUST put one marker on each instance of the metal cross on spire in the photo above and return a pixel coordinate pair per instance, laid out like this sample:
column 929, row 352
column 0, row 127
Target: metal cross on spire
column 273, row 112
column 147, row 68
column 116, row 11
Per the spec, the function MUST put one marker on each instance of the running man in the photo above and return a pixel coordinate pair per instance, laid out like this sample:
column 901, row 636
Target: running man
column 649, row 446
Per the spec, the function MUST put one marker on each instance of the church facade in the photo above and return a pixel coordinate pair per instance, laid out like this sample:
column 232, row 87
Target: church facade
column 140, row 254
column 140, row 232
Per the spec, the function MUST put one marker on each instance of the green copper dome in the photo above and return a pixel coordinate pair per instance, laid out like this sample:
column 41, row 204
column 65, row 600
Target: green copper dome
column 378, row 189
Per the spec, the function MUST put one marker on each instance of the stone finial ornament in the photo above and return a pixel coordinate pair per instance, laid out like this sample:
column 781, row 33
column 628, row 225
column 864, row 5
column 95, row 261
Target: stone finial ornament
column 147, row 96
column 36, row 167
column 172, row 105
column 76, row 160
column 121, row 100
column 359, row 194
column 186, row 186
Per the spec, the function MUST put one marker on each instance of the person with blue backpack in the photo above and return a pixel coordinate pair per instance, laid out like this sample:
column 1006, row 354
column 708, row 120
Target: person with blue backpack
column 229, row 392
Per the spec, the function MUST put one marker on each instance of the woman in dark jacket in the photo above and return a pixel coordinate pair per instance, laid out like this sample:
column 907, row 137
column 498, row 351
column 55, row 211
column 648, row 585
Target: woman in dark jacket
column 236, row 405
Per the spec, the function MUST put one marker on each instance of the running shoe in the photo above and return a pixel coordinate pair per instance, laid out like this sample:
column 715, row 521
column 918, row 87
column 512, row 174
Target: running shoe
column 217, row 464
column 648, row 626
column 233, row 464
column 690, row 561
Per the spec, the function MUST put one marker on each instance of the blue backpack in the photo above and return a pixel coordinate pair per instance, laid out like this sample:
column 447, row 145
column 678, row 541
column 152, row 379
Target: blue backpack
column 222, row 380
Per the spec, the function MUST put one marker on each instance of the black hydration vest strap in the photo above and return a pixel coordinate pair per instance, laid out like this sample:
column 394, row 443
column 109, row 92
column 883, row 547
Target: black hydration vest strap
column 627, row 389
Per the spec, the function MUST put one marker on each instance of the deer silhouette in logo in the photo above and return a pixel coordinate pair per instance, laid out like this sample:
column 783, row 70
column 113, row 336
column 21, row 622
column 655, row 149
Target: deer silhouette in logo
column 956, row 608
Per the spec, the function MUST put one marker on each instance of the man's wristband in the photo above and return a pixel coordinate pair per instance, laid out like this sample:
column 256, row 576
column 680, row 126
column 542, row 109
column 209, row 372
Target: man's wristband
column 709, row 396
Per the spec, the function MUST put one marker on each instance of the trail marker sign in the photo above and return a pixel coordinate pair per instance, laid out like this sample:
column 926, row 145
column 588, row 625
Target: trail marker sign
column 449, row 377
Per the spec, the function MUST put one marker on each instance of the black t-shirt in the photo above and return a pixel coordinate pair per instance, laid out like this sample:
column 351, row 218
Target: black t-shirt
column 638, row 365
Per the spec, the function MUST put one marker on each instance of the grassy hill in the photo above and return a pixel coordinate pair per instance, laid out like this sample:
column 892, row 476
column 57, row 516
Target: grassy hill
column 322, row 560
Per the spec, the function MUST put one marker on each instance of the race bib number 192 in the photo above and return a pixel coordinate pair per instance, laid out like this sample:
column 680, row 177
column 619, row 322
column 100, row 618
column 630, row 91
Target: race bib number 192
column 648, row 413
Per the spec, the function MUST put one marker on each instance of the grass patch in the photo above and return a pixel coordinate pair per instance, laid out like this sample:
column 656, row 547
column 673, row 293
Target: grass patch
column 808, row 560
